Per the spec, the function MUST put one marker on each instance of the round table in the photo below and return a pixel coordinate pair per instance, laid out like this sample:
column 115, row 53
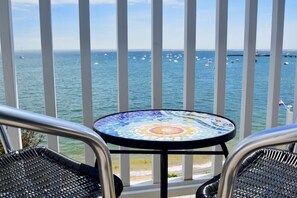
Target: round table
column 166, row 131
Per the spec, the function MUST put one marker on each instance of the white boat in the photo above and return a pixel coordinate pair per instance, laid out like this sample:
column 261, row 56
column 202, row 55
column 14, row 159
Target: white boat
column 286, row 63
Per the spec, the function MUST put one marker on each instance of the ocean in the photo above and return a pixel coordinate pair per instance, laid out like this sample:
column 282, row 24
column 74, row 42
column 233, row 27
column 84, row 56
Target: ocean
column 104, row 82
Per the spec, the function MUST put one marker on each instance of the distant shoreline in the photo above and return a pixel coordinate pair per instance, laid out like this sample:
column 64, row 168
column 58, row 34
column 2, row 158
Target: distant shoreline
column 259, row 55
column 145, row 50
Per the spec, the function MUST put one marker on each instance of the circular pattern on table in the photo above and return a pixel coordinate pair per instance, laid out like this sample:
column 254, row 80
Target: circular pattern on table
column 164, row 125
column 165, row 130
column 155, row 130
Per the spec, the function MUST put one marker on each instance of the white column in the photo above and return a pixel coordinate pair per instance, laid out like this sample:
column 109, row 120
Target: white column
column 86, row 72
column 275, row 62
column 156, row 61
column 220, row 68
column 48, row 66
column 189, row 73
column 289, row 117
column 295, row 97
column 248, row 71
column 156, row 64
column 122, row 55
column 9, row 73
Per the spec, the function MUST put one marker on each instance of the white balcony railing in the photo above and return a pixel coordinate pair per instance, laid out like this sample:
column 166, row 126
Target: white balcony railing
column 186, row 184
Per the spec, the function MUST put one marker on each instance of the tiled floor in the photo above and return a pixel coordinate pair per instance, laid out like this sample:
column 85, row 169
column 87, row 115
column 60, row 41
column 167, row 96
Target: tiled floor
column 187, row 196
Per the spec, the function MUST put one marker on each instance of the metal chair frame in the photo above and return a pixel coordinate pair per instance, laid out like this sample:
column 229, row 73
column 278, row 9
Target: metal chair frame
column 267, row 138
column 23, row 119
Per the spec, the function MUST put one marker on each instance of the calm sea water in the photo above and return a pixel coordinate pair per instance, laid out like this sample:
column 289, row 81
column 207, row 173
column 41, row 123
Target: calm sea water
column 104, row 81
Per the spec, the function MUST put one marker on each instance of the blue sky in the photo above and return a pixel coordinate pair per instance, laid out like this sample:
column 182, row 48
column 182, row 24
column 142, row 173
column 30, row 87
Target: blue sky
column 103, row 24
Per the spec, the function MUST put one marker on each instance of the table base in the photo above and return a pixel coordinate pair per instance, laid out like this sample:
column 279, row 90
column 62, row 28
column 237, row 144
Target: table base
column 164, row 161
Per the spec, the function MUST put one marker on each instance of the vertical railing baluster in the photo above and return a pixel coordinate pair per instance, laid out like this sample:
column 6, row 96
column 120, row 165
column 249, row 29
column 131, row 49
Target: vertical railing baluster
column 86, row 71
column 48, row 66
column 295, row 97
column 9, row 73
column 122, row 58
column 156, row 63
column 248, row 71
column 220, row 68
column 277, row 31
column 189, row 73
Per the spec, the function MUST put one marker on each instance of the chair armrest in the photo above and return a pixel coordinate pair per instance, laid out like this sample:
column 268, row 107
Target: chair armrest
column 271, row 137
column 5, row 140
column 50, row 125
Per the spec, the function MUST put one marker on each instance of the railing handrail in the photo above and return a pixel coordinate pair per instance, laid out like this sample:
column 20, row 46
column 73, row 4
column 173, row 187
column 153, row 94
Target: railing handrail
column 54, row 126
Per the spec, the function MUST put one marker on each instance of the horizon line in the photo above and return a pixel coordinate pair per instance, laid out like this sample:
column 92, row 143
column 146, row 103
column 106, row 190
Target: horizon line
column 114, row 50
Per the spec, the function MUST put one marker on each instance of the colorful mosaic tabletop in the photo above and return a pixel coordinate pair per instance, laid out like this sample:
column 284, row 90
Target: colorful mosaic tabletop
column 164, row 125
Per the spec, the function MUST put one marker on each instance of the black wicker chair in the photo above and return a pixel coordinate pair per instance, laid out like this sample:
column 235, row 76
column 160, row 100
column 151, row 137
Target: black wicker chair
column 258, row 171
column 42, row 172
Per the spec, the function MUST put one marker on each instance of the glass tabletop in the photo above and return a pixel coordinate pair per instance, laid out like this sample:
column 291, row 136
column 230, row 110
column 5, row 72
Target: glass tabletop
column 164, row 126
